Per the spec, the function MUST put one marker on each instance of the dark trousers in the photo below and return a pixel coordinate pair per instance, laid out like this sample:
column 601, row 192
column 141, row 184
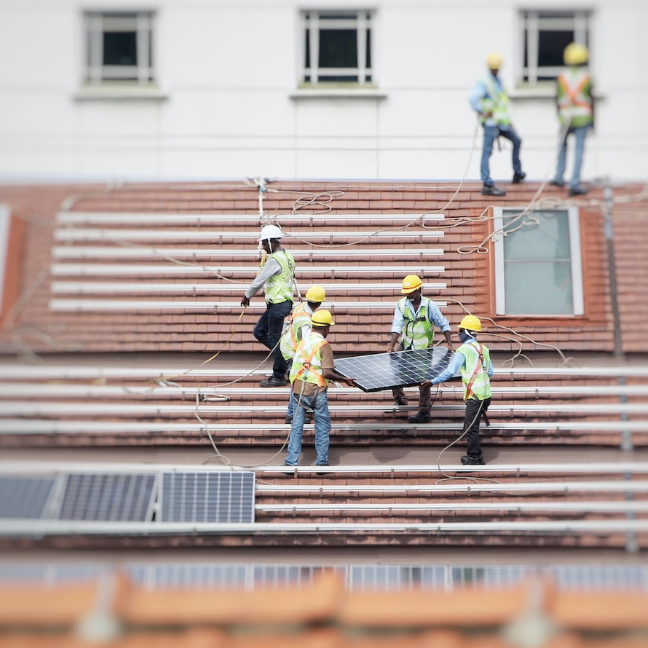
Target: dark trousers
column 475, row 409
column 268, row 331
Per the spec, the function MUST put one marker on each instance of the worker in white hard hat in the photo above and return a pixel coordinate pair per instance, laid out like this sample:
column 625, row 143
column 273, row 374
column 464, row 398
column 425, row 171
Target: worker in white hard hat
column 313, row 366
column 575, row 112
column 413, row 328
column 490, row 101
column 472, row 360
column 296, row 327
column 277, row 275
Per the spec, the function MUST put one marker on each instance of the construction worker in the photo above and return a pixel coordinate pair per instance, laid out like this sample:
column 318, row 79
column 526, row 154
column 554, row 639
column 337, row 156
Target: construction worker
column 313, row 366
column 473, row 360
column 413, row 328
column 575, row 112
column 490, row 101
column 298, row 325
column 276, row 275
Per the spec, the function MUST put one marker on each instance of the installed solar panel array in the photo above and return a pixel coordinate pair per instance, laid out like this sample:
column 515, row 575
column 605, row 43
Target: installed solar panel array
column 207, row 497
column 129, row 497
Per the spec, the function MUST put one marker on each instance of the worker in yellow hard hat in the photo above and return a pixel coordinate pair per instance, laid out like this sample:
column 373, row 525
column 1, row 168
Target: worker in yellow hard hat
column 413, row 328
column 277, row 275
column 313, row 366
column 296, row 327
column 575, row 112
column 472, row 359
column 490, row 101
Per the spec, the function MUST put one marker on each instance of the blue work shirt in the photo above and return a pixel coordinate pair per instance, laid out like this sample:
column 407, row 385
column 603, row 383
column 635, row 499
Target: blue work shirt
column 434, row 315
column 458, row 361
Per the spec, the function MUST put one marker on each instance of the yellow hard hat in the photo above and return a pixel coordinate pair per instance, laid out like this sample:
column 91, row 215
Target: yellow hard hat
column 316, row 294
column 575, row 54
column 411, row 283
column 322, row 318
column 494, row 61
column 470, row 323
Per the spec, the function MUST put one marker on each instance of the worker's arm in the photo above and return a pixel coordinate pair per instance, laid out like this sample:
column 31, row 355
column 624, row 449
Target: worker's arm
column 434, row 314
column 458, row 360
column 270, row 268
column 477, row 94
column 331, row 374
column 397, row 327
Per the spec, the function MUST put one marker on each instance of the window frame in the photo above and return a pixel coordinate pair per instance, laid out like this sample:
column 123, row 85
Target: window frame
column 576, row 257
column 531, row 23
column 310, row 21
column 96, row 24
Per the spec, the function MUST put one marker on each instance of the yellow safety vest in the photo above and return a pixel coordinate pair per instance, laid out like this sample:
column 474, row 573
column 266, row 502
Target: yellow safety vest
column 575, row 107
column 496, row 101
column 307, row 364
column 300, row 317
column 418, row 332
column 474, row 372
column 278, row 288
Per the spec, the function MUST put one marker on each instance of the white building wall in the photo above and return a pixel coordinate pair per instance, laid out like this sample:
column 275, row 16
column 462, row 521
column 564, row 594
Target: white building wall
column 229, row 106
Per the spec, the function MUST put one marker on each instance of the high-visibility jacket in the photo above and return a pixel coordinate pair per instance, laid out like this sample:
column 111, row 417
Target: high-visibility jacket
column 300, row 317
column 575, row 106
column 474, row 371
column 307, row 364
column 278, row 288
column 495, row 101
column 418, row 332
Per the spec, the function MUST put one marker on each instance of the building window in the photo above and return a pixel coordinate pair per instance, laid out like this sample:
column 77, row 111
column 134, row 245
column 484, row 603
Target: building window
column 119, row 47
column 545, row 34
column 538, row 263
column 337, row 47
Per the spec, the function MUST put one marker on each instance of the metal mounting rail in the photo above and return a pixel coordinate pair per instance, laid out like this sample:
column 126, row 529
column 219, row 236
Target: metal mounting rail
column 45, row 426
column 26, row 528
column 157, row 219
column 31, row 408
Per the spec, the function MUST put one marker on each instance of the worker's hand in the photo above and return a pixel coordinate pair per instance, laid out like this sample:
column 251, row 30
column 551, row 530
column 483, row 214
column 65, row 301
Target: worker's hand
column 487, row 114
column 391, row 348
column 426, row 383
column 350, row 382
column 245, row 302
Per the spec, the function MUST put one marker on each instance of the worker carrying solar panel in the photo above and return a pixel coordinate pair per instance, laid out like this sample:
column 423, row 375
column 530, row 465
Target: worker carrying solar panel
column 295, row 329
column 276, row 275
column 413, row 328
column 473, row 360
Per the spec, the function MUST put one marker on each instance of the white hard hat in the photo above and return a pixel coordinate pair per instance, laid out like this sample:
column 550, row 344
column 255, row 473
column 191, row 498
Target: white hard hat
column 270, row 232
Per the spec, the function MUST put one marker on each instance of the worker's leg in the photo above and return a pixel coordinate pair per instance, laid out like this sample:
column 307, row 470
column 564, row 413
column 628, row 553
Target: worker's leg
column 490, row 134
column 580, row 134
column 474, row 409
column 424, row 397
column 511, row 135
column 562, row 160
column 261, row 329
column 277, row 313
column 322, row 428
column 398, row 392
column 296, row 432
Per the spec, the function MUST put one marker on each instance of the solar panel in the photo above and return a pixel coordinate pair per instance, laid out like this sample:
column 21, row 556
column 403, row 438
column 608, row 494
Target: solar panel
column 207, row 497
column 398, row 369
column 105, row 497
column 24, row 498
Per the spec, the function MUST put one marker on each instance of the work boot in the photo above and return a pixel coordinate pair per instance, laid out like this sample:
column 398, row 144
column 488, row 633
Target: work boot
column 288, row 419
column 322, row 473
column 420, row 417
column 577, row 191
column 470, row 461
column 518, row 177
column 556, row 183
column 492, row 190
column 273, row 382
column 400, row 401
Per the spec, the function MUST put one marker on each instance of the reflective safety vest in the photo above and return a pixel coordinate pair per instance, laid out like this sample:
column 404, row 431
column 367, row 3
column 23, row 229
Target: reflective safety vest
column 278, row 288
column 418, row 331
column 301, row 316
column 575, row 98
column 496, row 101
column 474, row 371
column 307, row 364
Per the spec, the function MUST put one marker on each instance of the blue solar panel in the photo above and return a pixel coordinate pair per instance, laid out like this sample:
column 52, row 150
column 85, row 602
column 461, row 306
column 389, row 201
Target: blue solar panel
column 207, row 497
column 24, row 497
column 108, row 497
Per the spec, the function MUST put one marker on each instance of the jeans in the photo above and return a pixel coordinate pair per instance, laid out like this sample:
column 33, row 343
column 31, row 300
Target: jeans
column 268, row 331
column 322, row 426
column 490, row 135
column 580, row 133
column 474, row 410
